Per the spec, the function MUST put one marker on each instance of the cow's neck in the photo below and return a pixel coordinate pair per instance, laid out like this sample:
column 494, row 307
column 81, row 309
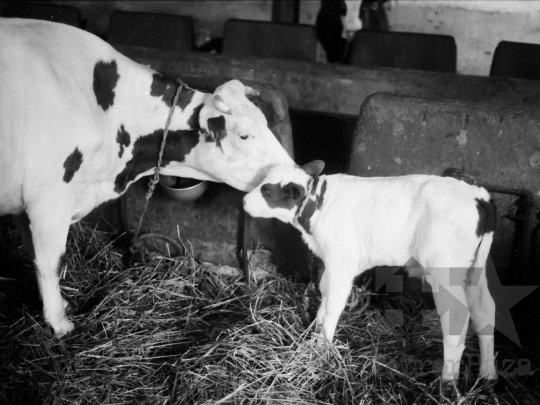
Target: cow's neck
column 140, row 131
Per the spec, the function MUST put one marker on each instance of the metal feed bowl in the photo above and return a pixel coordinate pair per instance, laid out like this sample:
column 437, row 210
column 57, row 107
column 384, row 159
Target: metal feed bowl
column 181, row 188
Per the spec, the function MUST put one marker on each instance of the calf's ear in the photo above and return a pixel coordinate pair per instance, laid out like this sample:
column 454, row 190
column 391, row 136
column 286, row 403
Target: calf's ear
column 314, row 168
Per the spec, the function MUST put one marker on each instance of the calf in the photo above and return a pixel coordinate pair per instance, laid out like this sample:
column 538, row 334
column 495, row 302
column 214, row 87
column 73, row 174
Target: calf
column 338, row 20
column 79, row 123
column 354, row 224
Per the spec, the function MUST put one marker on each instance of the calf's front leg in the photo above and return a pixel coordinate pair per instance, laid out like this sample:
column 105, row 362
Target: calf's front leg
column 336, row 285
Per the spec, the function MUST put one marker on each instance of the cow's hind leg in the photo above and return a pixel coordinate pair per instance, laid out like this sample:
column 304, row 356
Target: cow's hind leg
column 49, row 234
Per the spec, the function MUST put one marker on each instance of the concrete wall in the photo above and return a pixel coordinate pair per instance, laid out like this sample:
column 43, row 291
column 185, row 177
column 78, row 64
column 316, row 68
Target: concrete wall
column 477, row 26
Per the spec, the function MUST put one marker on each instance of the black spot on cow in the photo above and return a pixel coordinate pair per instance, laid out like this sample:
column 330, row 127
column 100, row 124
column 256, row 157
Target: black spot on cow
column 105, row 79
column 193, row 120
column 145, row 153
column 208, row 136
column 486, row 216
column 123, row 139
column 72, row 164
column 165, row 87
column 217, row 127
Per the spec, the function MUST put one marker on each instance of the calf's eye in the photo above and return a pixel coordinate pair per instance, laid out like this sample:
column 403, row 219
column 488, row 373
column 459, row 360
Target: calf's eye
column 244, row 137
column 266, row 190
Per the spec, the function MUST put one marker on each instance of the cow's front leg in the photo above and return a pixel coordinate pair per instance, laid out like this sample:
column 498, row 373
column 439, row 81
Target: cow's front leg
column 49, row 234
column 336, row 285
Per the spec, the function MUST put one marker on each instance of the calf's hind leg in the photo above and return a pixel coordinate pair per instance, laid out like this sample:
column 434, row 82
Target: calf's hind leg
column 482, row 309
column 49, row 235
column 453, row 311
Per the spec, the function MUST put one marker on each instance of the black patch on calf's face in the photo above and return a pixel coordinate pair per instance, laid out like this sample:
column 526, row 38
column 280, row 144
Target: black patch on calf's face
column 286, row 197
column 146, row 149
column 123, row 139
column 105, row 79
column 72, row 164
column 165, row 87
column 217, row 127
column 486, row 216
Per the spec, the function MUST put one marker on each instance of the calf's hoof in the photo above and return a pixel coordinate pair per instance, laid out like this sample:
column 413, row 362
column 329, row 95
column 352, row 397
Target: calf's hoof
column 449, row 390
column 62, row 328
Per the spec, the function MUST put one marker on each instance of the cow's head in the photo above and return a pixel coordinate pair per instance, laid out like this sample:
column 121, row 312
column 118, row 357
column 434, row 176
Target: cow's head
column 350, row 18
column 283, row 192
column 238, row 148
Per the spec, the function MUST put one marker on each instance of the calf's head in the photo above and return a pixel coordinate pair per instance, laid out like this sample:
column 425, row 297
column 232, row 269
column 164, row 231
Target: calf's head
column 239, row 148
column 282, row 192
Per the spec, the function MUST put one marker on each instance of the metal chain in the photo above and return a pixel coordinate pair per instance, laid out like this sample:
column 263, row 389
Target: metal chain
column 153, row 181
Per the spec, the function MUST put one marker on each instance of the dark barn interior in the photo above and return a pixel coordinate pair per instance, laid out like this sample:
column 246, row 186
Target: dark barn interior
column 385, row 103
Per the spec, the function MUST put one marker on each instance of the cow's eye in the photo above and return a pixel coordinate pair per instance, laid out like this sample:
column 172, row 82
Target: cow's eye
column 244, row 137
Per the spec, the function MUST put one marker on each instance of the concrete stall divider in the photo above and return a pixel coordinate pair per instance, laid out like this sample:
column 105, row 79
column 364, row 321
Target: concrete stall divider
column 492, row 145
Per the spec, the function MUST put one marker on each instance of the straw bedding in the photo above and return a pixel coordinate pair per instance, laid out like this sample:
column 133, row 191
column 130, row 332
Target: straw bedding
column 179, row 332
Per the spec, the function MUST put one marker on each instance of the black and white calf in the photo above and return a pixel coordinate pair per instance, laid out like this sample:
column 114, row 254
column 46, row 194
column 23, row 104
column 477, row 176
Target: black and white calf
column 354, row 224
column 79, row 123
column 338, row 20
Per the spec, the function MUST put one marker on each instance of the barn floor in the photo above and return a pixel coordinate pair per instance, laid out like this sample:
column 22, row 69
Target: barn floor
column 179, row 332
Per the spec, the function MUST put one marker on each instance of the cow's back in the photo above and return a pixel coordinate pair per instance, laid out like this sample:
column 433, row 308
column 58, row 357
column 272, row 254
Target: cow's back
column 46, row 102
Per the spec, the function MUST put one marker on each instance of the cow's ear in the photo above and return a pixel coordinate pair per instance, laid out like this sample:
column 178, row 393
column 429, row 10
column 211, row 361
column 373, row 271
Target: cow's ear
column 314, row 168
column 221, row 105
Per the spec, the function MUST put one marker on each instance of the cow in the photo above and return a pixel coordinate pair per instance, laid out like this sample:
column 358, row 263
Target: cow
column 338, row 20
column 80, row 122
column 353, row 224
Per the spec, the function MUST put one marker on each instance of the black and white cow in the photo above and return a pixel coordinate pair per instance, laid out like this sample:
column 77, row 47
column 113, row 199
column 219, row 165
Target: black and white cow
column 354, row 224
column 338, row 20
column 79, row 122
